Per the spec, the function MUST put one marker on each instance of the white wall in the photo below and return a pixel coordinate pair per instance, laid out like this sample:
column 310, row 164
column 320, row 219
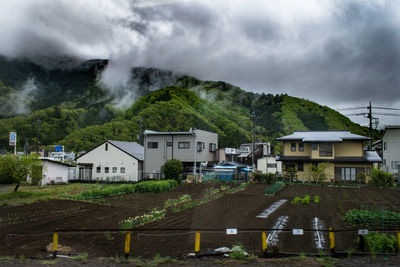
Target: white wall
column 262, row 164
column 390, row 149
column 113, row 157
column 54, row 173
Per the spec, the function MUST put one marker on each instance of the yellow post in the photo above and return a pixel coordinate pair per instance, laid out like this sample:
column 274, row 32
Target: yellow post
column 332, row 240
column 398, row 239
column 264, row 241
column 127, row 243
column 55, row 243
column 197, row 242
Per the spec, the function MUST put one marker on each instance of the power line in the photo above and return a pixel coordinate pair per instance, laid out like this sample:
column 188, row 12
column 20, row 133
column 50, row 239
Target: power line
column 386, row 114
column 387, row 108
column 350, row 108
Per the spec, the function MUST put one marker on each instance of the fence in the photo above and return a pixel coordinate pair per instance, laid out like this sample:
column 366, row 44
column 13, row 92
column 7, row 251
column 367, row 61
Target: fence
column 261, row 241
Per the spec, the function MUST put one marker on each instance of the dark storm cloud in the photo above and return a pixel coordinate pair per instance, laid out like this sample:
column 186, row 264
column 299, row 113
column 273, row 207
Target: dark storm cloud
column 333, row 52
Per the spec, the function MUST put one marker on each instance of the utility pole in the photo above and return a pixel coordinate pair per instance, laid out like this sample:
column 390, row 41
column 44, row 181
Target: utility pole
column 38, row 122
column 253, row 116
column 370, row 124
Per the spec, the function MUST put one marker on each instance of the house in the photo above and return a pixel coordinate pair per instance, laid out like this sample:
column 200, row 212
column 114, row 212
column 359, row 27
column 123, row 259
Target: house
column 342, row 150
column 262, row 149
column 56, row 172
column 391, row 150
column 192, row 148
column 113, row 161
column 269, row 164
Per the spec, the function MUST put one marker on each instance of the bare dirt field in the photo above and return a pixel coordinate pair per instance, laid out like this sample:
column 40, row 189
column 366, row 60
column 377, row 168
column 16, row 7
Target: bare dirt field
column 26, row 230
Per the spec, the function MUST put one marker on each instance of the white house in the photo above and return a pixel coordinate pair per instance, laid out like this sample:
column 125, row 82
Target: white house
column 113, row 161
column 56, row 172
column 391, row 150
column 269, row 165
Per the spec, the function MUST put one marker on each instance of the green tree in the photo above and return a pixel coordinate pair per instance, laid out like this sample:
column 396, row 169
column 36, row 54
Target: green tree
column 318, row 172
column 381, row 179
column 173, row 169
column 17, row 169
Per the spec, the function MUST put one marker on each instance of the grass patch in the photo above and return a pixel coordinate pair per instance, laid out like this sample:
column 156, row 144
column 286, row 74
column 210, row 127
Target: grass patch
column 82, row 257
column 6, row 258
column 48, row 262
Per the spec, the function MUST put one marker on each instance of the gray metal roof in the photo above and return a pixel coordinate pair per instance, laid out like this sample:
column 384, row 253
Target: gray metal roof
column 132, row 148
column 372, row 156
column 149, row 132
column 323, row 136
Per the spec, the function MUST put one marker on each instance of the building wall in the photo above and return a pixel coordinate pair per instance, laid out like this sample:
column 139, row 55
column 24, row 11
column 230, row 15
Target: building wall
column 391, row 149
column 54, row 173
column 305, row 175
column 156, row 157
column 349, row 149
column 113, row 157
column 262, row 165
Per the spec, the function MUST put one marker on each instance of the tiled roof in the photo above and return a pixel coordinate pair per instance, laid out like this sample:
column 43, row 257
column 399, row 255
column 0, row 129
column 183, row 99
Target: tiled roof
column 323, row 136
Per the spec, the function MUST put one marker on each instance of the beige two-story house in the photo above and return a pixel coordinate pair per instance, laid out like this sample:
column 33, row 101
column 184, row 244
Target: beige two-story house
column 342, row 150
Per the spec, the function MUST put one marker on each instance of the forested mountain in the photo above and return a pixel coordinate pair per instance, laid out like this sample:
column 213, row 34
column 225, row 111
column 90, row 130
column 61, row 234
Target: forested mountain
column 69, row 106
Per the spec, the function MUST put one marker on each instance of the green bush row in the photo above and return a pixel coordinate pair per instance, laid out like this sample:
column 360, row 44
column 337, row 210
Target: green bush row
column 146, row 186
column 373, row 217
column 376, row 242
column 274, row 188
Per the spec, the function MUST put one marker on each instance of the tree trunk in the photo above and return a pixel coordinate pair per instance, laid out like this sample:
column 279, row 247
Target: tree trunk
column 16, row 187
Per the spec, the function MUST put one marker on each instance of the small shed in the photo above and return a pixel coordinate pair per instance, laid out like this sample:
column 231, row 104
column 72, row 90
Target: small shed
column 56, row 172
column 232, row 171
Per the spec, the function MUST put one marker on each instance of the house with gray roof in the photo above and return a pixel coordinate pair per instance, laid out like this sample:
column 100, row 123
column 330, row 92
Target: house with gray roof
column 343, row 152
column 193, row 148
column 112, row 161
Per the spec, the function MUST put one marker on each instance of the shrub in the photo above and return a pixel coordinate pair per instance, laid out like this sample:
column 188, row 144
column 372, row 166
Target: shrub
column 173, row 169
column 318, row 172
column 381, row 179
column 373, row 217
column 274, row 188
column 268, row 178
column 376, row 242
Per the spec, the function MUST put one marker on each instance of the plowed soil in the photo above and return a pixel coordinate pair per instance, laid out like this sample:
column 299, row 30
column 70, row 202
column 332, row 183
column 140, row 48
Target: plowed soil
column 27, row 229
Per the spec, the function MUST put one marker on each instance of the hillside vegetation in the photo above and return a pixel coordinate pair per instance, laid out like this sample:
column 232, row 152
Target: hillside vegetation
column 80, row 114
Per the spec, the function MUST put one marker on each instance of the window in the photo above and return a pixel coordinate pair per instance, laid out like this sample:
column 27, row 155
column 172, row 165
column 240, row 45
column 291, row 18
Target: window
column 98, row 169
column 301, row 146
column 200, row 146
column 114, row 169
column 106, row 146
column 300, row 166
column 293, row 147
column 289, row 166
column 271, row 165
column 169, row 143
column 314, row 146
column 325, row 150
column 122, row 170
column 184, row 145
column 384, row 145
column 384, row 162
column 152, row 144
column 395, row 165
column 106, row 169
column 368, row 170
column 348, row 174
column 213, row 147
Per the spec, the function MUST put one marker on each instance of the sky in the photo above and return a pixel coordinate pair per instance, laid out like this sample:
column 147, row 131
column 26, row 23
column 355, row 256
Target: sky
column 338, row 53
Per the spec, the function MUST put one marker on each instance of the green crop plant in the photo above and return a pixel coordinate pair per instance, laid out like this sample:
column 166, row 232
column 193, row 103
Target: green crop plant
column 316, row 199
column 152, row 216
column 380, row 242
column 373, row 217
column 270, row 190
column 306, row 200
